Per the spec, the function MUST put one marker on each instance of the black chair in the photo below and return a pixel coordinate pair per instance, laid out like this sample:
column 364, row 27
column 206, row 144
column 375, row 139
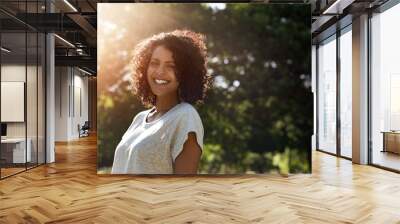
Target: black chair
column 84, row 130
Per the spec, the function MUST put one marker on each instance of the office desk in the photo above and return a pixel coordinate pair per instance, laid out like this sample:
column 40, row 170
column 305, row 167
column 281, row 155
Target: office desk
column 391, row 141
column 13, row 150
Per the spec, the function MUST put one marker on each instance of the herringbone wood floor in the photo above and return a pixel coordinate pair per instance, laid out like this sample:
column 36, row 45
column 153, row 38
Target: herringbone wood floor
column 69, row 191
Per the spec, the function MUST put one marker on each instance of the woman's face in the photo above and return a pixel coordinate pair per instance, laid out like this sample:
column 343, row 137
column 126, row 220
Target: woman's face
column 161, row 73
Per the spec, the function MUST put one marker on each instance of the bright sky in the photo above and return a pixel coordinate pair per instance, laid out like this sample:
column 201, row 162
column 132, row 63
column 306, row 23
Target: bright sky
column 216, row 6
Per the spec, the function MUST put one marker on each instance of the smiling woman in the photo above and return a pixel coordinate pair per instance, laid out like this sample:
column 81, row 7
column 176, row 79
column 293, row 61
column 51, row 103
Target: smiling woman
column 169, row 73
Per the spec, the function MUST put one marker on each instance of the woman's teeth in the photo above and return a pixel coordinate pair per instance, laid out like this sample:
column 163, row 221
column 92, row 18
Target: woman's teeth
column 161, row 81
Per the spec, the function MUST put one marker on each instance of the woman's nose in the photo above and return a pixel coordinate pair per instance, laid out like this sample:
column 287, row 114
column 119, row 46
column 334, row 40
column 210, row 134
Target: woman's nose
column 160, row 70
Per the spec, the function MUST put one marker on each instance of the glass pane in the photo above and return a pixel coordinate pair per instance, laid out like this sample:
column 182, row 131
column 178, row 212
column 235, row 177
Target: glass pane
column 385, row 89
column 13, row 86
column 14, row 5
column 31, row 97
column 327, row 96
column 346, row 94
column 41, row 98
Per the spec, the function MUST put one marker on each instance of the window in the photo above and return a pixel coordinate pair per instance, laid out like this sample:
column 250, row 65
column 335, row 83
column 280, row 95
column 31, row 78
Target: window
column 385, row 88
column 327, row 95
column 346, row 92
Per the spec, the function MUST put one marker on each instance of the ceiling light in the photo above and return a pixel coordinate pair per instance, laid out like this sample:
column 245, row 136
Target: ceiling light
column 5, row 49
column 84, row 71
column 337, row 7
column 64, row 40
column 70, row 5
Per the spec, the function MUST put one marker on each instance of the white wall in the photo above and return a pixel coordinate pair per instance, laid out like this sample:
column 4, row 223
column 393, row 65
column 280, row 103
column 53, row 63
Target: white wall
column 80, row 94
column 71, row 94
column 16, row 73
column 33, row 126
column 61, row 103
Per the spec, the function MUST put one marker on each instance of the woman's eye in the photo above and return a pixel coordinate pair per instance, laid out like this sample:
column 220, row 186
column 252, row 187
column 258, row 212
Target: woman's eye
column 172, row 67
column 153, row 63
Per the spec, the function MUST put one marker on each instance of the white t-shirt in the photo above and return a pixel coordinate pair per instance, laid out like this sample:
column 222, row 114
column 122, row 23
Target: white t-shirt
column 152, row 147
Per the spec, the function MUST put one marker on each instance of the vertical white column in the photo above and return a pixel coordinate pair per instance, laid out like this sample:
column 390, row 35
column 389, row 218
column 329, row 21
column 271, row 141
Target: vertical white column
column 360, row 90
column 50, row 93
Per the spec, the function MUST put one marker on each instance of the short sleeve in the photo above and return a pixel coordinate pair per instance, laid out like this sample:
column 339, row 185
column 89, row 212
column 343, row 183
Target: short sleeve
column 189, row 121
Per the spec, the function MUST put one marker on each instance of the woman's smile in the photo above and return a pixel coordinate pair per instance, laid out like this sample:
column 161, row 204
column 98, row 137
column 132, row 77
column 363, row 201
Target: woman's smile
column 161, row 81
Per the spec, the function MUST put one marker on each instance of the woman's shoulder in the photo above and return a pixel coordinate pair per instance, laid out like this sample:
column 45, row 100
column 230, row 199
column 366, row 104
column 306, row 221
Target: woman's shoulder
column 186, row 111
column 187, row 108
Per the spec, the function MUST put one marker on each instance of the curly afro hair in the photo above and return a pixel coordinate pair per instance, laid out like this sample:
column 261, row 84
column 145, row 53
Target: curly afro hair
column 190, row 56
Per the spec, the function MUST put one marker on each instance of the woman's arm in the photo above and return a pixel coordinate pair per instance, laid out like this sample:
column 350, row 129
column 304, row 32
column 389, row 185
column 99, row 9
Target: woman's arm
column 188, row 160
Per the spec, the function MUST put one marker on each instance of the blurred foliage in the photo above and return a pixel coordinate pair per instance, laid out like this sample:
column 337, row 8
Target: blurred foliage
column 258, row 116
